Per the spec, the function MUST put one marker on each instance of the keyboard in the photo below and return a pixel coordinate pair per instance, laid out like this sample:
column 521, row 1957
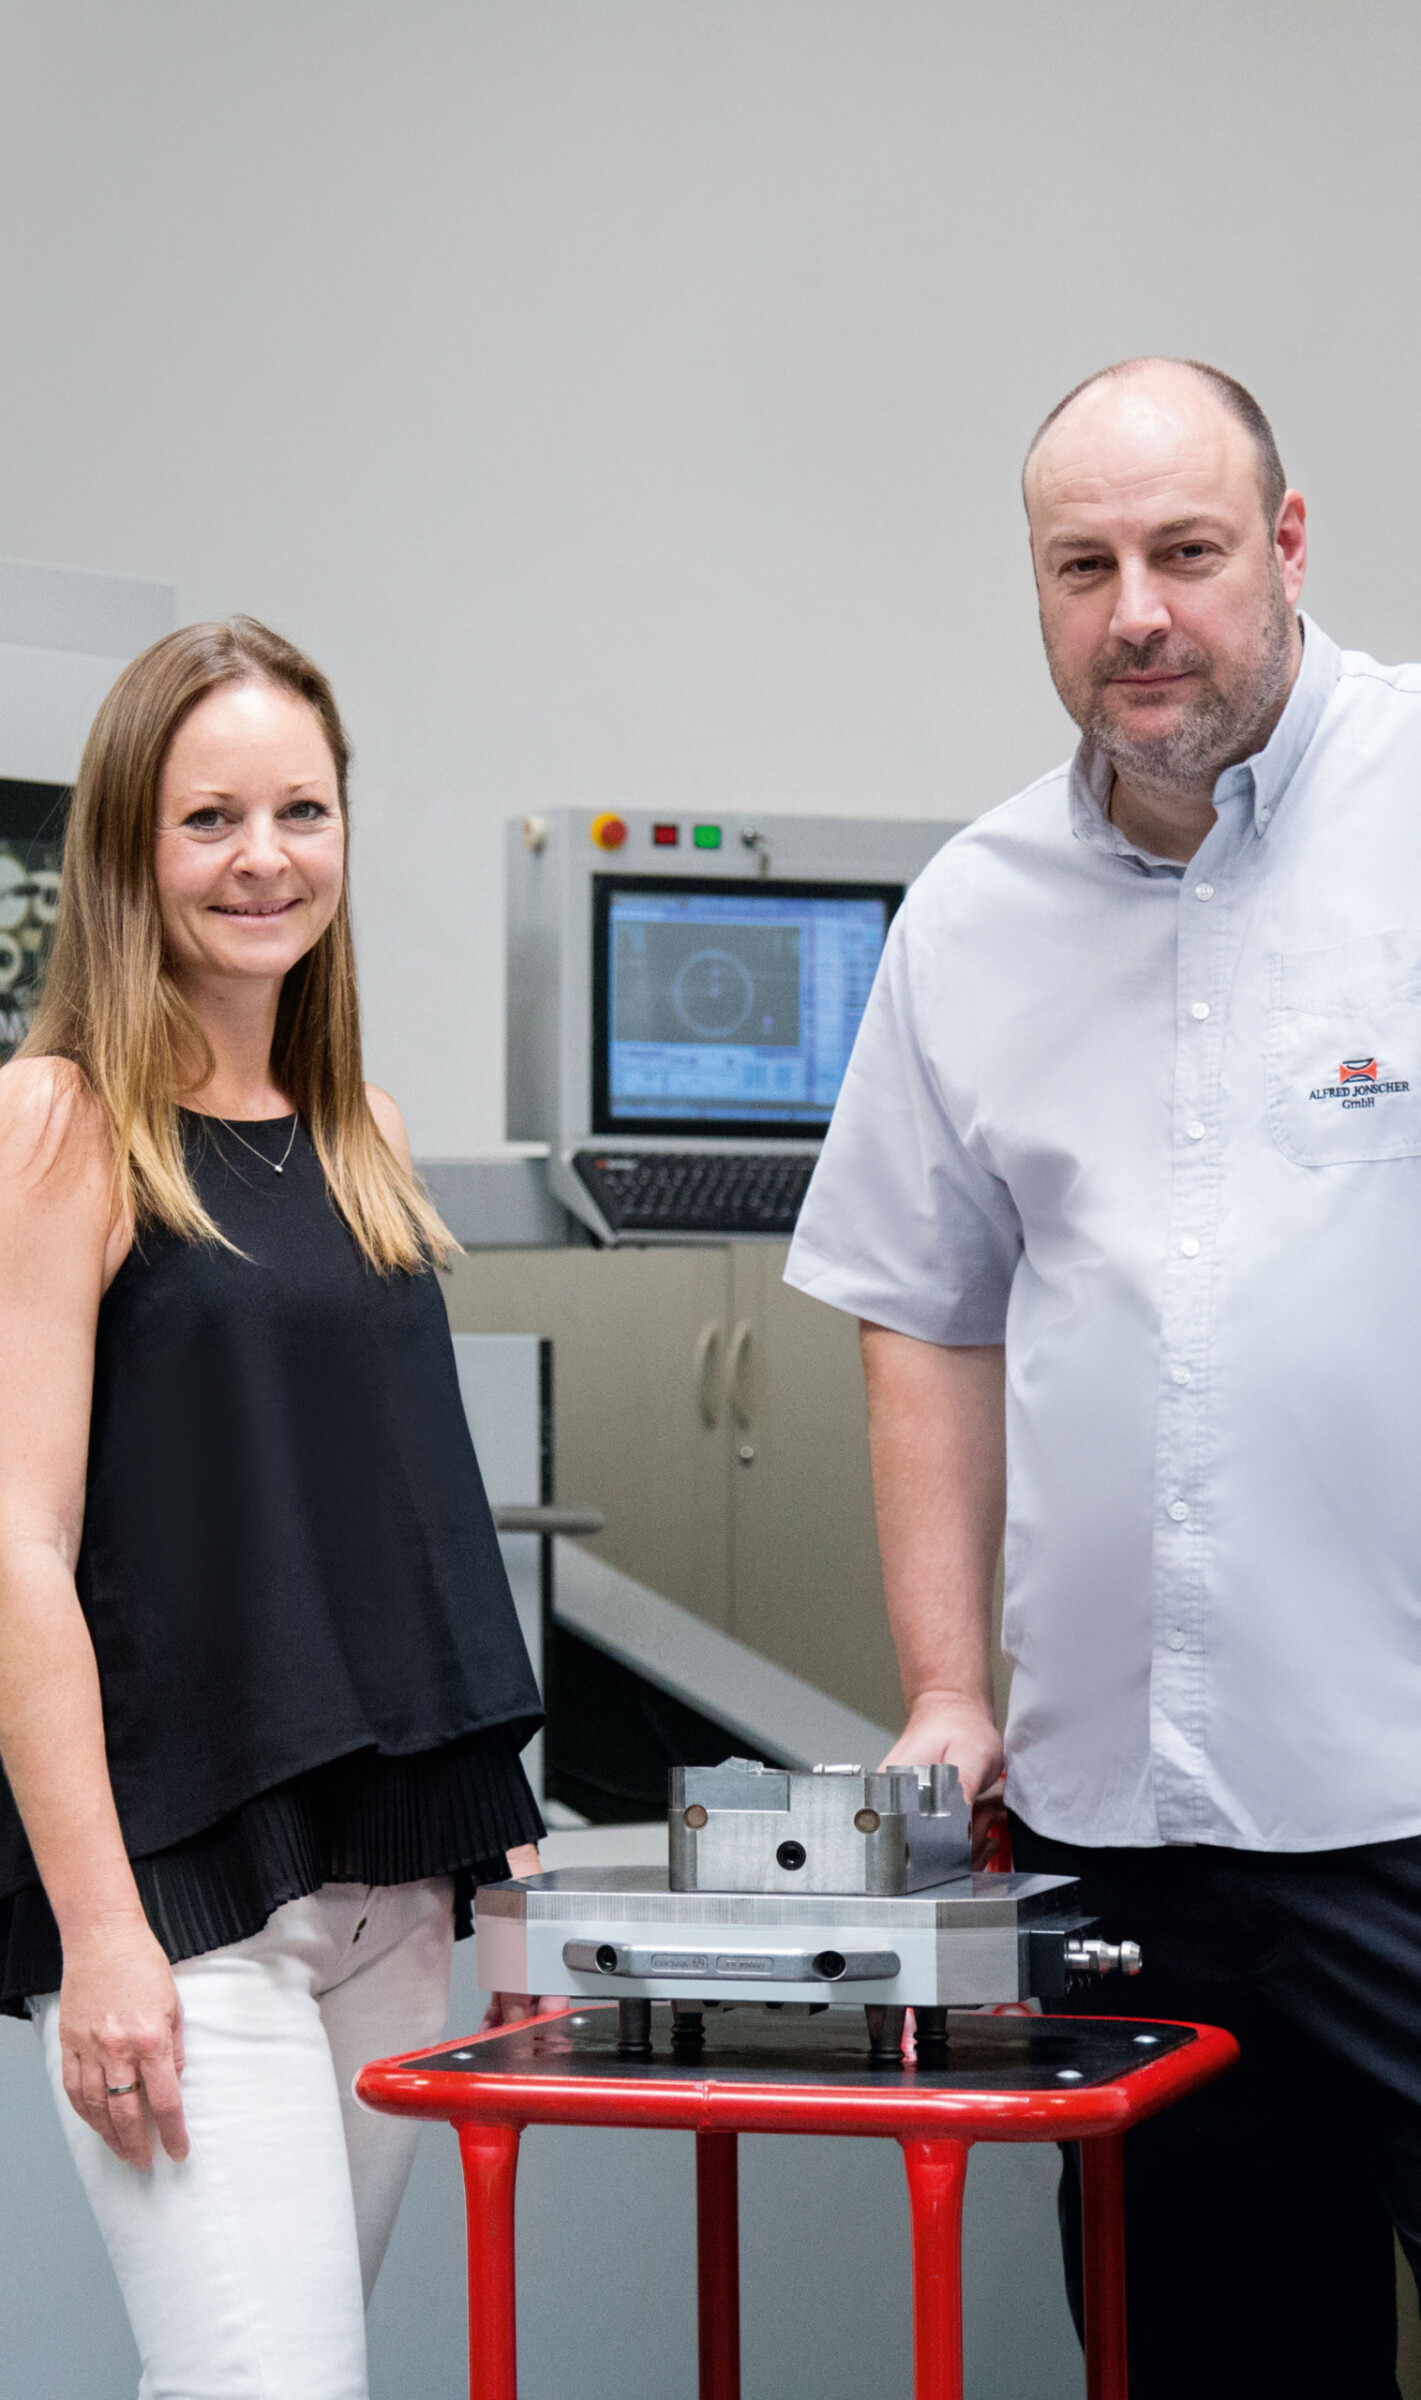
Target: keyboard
column 696, row 1191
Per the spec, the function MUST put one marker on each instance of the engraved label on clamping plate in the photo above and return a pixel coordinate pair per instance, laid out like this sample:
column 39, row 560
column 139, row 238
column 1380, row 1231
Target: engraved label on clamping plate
column 681, row 1962
column 747, row 1966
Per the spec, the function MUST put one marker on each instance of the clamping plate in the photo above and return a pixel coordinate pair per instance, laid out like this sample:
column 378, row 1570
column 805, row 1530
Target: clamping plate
column 622, row 1933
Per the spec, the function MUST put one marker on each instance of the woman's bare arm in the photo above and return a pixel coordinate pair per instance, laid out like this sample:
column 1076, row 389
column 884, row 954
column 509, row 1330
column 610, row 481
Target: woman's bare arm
column 937, row 1435
column 119, row 2016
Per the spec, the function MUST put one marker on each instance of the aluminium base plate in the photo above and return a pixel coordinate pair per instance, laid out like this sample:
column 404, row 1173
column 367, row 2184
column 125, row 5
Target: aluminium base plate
column 619, row 1932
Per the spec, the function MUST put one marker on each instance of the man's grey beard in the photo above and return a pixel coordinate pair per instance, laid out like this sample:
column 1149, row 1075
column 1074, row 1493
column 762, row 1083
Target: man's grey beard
column 1223, row 725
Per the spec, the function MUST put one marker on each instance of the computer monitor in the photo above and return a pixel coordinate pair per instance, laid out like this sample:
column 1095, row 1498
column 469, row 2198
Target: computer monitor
column 728, row 1006
column 684, row 988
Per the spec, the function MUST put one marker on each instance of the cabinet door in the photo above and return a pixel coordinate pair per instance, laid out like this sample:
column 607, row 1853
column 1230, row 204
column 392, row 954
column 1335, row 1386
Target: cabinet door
column 639, row 1421
column 808, row 1590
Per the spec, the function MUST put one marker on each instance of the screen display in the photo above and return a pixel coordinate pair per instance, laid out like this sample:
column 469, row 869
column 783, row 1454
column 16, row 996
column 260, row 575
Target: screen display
column 31, row 844
column 726, row 1006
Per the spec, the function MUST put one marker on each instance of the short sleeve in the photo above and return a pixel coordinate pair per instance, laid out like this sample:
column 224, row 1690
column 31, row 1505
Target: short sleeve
column 901, row 1224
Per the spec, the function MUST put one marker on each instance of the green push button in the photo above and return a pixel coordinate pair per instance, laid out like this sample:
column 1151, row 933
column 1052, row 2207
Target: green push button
column 706, row 837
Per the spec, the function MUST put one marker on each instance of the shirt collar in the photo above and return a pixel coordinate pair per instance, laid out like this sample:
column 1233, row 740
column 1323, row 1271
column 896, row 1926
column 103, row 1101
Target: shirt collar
column 1261, row 780
column 1275, row 765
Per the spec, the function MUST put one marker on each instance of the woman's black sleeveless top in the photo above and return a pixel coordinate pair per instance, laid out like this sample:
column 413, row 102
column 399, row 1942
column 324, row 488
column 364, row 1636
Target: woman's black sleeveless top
column 310, row 1663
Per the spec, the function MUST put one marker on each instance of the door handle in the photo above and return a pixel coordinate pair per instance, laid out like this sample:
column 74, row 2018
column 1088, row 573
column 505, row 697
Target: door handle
column 706, row 1364
column 513, row 1519
column 713, row 1966
column 737, row 1372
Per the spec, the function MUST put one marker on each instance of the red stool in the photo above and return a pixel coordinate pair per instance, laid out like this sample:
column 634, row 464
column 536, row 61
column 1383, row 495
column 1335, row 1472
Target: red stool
column 1007, row 2079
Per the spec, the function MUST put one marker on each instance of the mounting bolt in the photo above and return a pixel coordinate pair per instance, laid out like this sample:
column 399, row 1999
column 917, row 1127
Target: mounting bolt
column 634, row 2028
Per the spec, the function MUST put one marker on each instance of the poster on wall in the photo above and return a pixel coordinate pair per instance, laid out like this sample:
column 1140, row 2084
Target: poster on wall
column 31, row 840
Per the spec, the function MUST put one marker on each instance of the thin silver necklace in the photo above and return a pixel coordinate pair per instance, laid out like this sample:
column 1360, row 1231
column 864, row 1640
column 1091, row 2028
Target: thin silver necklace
column 277, row 1166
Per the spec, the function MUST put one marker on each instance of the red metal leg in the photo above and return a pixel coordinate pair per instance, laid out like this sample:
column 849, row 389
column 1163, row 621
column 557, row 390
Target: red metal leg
column 718, row 2264
column 1107, row 2366
column 937, row 2171
column 490, row 2156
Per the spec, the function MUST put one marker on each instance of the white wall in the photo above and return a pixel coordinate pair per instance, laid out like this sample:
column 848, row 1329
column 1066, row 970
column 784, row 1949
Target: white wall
column 623, row 398
column 64, row 635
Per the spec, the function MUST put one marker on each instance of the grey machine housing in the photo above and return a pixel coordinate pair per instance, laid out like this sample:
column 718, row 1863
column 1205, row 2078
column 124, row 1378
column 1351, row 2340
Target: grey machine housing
column 550, row 862
column 832, row 1885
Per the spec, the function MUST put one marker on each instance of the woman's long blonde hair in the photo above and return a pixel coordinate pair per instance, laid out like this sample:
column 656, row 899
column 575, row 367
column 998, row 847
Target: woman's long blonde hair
column 110, row 1003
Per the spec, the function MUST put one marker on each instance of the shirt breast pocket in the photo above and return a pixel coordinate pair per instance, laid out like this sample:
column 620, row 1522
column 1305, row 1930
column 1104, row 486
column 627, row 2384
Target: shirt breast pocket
column 1344, row 1051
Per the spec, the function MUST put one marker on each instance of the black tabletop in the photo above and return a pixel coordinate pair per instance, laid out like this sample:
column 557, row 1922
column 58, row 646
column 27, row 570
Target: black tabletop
column 747, row 2044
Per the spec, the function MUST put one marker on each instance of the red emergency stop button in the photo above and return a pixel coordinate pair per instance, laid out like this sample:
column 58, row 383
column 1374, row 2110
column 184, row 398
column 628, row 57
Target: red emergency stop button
column 609, row 832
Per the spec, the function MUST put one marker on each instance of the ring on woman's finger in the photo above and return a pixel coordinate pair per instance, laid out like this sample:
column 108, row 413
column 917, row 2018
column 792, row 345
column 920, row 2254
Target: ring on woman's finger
column 116, row 2090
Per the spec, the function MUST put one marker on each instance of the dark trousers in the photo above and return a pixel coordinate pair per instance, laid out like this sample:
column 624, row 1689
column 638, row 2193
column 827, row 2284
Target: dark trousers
column 1259, row 2214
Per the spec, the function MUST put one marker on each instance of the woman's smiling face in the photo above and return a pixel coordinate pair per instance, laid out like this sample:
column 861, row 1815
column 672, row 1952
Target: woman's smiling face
column 249, row 853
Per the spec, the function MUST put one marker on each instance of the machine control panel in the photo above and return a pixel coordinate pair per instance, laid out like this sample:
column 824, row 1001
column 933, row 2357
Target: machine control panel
column 684, row 988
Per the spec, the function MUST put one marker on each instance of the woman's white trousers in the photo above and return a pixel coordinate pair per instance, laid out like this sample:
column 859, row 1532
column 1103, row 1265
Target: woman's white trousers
column 246, row 2269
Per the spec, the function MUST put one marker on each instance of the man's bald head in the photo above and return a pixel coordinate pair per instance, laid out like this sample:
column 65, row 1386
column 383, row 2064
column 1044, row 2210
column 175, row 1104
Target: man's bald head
column 1167, row 572
column 1231, row 395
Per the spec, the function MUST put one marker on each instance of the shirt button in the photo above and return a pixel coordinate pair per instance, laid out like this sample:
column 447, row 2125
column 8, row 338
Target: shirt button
column 1195, row 1131
column 1174, row 1638
column 1189, row 1247
column 1179, row 1510
column 1200, row 1010
column 1179, row 1375
column 1203, row 891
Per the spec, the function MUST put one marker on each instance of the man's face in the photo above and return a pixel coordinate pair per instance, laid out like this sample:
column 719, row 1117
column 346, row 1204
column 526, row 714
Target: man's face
column 1167, row 600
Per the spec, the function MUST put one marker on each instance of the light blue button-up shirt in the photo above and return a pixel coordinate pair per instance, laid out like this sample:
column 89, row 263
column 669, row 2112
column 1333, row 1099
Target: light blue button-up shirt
column 1159, row 1130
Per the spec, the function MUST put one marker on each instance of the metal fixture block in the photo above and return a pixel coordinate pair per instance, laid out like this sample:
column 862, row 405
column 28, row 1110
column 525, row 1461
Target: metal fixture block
column 744, row 1827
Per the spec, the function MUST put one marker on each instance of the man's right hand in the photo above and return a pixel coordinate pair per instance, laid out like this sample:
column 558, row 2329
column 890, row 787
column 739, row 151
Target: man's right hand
column 121, row 2024
column 944, row 1726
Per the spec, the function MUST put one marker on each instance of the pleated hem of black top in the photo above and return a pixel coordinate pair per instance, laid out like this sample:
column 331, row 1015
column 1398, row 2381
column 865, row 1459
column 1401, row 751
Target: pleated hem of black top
column 367, row 1819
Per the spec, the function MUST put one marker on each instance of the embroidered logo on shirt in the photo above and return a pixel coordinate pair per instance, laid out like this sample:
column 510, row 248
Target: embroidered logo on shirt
column 1354, row 1072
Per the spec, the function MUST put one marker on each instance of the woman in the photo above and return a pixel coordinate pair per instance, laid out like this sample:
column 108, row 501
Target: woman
column 262, row 1690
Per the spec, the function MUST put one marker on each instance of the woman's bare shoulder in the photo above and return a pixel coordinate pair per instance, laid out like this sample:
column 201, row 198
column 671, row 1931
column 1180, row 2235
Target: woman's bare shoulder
column 48, row 1096
column 390, row 1122
column 52, row 1128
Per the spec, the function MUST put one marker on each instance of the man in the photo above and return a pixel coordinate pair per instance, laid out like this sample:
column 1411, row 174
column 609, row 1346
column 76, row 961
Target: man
column 1125, row 1185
